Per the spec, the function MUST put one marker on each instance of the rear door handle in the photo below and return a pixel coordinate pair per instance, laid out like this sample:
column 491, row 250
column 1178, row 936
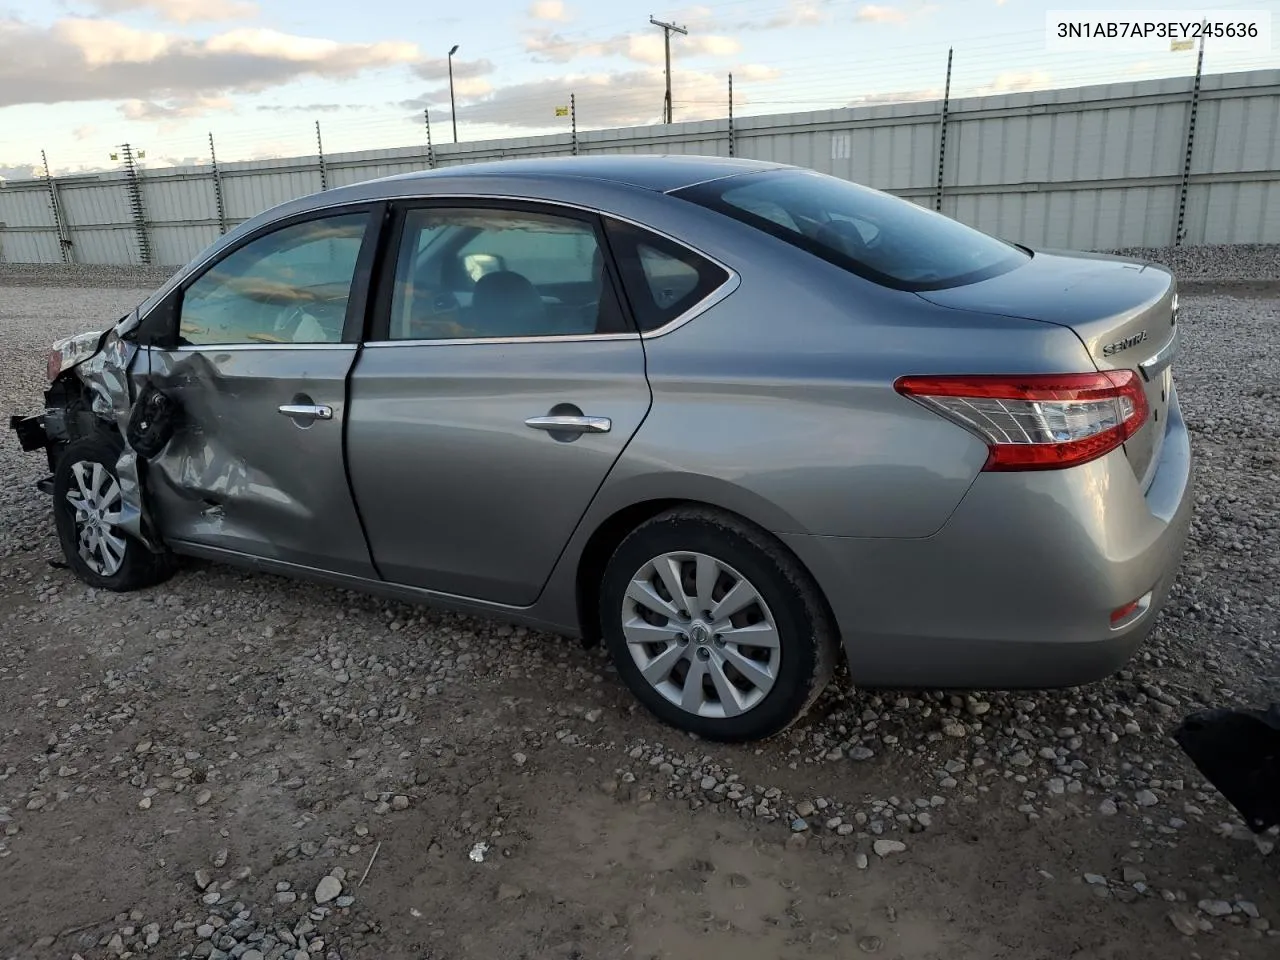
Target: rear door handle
column 571, row 424
column 307, row 411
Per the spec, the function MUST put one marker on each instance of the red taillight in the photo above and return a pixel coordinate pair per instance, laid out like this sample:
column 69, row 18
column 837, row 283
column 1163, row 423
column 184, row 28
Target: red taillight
column 53, row 366
column 1038, row 421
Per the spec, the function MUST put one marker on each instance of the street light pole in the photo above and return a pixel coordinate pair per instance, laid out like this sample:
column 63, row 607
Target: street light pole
column 667, row 30
column 453, row 110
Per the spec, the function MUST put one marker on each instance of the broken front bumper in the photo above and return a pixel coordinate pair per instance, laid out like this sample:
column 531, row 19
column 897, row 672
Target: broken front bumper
column 30, row 430
column 33, row 435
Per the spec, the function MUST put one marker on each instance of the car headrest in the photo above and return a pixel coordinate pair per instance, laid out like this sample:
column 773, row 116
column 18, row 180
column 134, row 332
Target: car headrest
column 505, row 303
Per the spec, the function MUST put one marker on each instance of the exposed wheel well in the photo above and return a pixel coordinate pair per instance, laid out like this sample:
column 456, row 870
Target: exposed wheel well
column 612, row 532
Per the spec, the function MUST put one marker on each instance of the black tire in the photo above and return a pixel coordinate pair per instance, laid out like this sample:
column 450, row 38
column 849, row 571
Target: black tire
column 807, row 638
column 139, row 567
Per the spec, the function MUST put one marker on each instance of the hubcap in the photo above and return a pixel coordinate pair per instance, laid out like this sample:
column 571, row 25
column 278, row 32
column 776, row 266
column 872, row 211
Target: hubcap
column 701, row 634
column 95, row 504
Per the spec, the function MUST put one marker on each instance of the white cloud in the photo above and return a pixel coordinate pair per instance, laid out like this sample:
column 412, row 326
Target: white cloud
column 274, row 45
column 182, row 11
column 603, row 99
column 712, row 45
column 549, row 46
column 309, row 107
column 171, row 161
column 105, row 60
column 102, row 42
column 1016, row 81
column 647, row 47
column 873, row 13
column 177, row 109
column 756, row 71
column 20, row 171
column 551, row 11
column 896, row 96
column 799, row 13
column 437, row 68
column 644, row 47
column 471, row 86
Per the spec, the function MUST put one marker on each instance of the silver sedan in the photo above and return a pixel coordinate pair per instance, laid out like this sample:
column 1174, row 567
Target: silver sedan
column 730, row 418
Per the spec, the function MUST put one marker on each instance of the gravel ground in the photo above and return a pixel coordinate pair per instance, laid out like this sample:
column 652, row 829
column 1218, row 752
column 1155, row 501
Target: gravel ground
column 235, row 765
column 1222, row 262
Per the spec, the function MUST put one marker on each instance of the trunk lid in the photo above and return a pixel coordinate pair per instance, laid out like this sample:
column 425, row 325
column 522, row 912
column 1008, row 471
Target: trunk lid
column 1124, row 312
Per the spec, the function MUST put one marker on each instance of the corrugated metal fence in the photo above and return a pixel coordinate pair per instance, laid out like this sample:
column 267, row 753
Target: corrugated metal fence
column 1097, row 167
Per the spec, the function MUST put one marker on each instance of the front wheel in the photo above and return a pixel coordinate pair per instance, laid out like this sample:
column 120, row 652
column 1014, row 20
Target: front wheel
column 86, row 511
column 714, row 626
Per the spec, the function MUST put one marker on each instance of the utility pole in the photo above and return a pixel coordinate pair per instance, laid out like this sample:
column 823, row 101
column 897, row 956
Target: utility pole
column 667, row 30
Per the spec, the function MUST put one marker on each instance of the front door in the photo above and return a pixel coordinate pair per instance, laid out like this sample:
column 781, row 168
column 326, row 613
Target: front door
column 256, row 466
column 502, row 382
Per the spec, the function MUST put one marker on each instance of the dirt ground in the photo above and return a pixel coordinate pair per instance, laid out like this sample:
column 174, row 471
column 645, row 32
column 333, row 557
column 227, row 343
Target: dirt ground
column 181, row 768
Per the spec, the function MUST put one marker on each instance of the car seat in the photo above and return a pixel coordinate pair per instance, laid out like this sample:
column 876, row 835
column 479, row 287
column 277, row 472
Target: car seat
column 506, row 304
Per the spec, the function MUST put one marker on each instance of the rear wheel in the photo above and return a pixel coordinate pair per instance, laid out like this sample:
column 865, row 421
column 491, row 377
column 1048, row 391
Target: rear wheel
column 87, row 502
column 714, row 626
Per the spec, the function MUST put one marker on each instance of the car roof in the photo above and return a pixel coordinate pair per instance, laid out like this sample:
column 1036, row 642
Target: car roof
column 661, row 173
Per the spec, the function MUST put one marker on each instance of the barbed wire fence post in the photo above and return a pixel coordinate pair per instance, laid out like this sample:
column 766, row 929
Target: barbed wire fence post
column 324, row 176
column 431, row 151
column 60, row 226
column 942, row 134
column 573, row 122
column 133, row 190
column 217, row 188
column 1180, row 229
column 732, row 145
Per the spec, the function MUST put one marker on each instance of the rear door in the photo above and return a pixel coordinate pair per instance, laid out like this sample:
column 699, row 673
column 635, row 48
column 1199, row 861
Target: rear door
column 267, row 335
column 501, row 382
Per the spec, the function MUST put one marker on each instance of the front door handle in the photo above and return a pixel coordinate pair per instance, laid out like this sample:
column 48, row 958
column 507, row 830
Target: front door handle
column 307, row 411
column 563, row 424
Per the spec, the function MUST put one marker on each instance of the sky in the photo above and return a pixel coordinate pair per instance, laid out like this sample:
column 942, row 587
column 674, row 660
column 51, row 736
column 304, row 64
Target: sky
column 80, row 77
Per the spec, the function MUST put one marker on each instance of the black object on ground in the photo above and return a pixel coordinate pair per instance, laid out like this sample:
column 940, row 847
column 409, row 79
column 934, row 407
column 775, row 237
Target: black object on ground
column 1238, row 751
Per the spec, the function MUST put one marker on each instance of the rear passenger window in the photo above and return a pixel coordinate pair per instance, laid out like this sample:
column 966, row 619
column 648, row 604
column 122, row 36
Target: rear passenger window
column 663, row 279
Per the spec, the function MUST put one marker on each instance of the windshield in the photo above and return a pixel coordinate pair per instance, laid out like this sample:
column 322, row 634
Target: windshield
column 891, row 241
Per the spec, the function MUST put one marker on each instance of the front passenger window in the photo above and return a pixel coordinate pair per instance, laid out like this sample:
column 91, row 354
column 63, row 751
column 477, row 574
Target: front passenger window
column 288, row 286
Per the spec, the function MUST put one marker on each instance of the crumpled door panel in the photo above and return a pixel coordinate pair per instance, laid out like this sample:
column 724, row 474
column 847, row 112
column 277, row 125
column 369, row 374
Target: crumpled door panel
column 238, row 474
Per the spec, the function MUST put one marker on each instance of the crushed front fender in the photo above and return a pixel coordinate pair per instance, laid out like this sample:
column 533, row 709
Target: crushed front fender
column 106, row 375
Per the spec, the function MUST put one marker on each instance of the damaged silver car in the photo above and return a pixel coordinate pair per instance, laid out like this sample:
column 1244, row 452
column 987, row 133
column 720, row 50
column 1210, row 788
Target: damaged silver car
column 728, row 417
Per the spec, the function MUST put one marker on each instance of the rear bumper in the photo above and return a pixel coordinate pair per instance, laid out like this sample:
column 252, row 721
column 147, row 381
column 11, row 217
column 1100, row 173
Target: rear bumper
column 1016, row 590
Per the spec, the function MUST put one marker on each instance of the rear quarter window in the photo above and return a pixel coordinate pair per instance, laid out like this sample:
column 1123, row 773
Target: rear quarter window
column 662, row 279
